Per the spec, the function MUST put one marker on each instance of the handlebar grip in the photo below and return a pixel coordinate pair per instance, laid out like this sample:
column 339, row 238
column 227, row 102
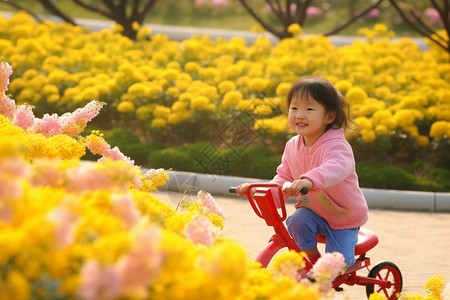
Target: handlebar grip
column 232, row 190
column 304, row 191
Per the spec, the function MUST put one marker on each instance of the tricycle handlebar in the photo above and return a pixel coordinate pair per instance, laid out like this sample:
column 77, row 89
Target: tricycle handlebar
column 233, row 190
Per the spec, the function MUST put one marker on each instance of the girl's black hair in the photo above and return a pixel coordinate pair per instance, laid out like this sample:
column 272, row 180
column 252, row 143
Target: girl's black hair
column 325, row 93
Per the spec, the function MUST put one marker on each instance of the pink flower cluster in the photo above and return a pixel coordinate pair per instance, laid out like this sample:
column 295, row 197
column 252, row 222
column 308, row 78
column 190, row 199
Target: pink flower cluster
column 312, row 12
column 214, row 3
column 7, row 105
column 11, row 172
column 200, row 231
column 433, row 17
column 71, row 124
column 88, row 176
column 125, row 209
column 209, row 202
column 130, row 274
column 98, row 145
column 64, row 221
column 326, row 269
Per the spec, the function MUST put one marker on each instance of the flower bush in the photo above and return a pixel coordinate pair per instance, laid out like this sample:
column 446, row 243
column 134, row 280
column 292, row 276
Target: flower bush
column 398, row 92
column 93, row 230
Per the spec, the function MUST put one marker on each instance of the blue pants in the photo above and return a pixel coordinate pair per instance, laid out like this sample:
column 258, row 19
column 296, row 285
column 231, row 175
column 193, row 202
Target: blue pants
column 304, row 225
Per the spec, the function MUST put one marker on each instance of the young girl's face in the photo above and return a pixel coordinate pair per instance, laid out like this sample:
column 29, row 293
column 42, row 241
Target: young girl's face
column 309, row 118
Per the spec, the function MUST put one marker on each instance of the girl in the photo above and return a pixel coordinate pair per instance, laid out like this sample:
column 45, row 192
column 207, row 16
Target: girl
column 319, row 158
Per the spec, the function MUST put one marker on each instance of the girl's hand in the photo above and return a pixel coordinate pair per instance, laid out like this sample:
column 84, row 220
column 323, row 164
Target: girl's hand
column 242, row 189
column 294, row 188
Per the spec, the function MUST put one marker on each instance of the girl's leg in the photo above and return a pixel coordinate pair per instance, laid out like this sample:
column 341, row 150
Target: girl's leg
column 304, row 225
column 343, row 241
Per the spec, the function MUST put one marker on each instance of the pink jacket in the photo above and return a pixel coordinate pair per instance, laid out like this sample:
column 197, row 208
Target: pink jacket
column 330, row 165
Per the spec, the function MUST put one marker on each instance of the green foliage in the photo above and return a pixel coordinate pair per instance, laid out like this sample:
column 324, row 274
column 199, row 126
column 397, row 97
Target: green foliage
column 120, row 136
column 378, row 175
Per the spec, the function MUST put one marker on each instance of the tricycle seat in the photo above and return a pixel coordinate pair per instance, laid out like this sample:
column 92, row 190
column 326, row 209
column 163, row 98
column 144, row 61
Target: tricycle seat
column 367, row 239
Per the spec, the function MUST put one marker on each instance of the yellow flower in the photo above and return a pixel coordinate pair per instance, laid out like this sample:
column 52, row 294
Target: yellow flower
column 440, row 129
column 117, row 28
column 380, row 29
column 262, row 110
column 161, row 111
column 201, row 103
column 355, row 95
column 49, row 89
column 295, row 29
column 381, row 130
column 364, row 123
column 144, row 112
column 126, row 106
column 422, row 141
column 257, row 84
column 135, row 25
column 143, row 33
column 53, row 98
column 257, row 28
column 170, row 74
column 343, row 86
column 368, row 136
column 231, row 98
column 227, row 86
column 16, row 286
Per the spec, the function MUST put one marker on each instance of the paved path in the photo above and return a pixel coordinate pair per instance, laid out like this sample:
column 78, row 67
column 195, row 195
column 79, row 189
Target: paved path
column 417, row 242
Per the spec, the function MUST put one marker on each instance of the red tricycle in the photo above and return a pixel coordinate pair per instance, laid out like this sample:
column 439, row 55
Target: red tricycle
column 384, row 278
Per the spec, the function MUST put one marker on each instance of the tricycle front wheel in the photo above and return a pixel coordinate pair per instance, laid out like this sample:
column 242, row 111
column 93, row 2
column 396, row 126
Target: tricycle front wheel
column 387, row 271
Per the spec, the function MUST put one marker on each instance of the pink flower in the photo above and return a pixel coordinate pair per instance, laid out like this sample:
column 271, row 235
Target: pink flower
column 200, row 231
column 143, row 263
column 313, row 12
column 374, row 13
column 11, row 169
column 46, row 173
column 92, row 176
column 47, row 126
column 125, row 208
column 200, row 2
column 97, row 145
column 115, row 154
column 73, row 124
column 7, row 107
column 99, row 282
column 24, row 116
column 9, row 189
column 219, row 3
column 209, row 202
column 433, row 16
column 64, row 221
column 5, row 73
column 327, row 268
column 14, row 167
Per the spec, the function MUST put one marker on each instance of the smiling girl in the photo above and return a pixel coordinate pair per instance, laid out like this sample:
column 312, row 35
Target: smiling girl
column 319, row 158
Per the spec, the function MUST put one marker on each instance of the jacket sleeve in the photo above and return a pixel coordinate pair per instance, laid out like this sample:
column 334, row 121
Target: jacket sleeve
column 283, row 175
column 337, row 164
column 283, row 172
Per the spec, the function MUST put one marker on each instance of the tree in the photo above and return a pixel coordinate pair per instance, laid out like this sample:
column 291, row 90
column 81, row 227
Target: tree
column 123, row 12
column 295, row 11
column 414, row 20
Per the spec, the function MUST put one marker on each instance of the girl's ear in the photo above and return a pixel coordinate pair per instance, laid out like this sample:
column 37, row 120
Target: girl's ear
column 331, row 115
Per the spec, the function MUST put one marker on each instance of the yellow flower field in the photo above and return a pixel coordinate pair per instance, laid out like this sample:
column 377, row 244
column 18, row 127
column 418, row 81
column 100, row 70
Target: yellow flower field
column 396, row 90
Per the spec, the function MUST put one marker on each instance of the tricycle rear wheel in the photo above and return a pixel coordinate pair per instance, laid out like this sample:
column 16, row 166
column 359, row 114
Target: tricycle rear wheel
column 388, row 271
